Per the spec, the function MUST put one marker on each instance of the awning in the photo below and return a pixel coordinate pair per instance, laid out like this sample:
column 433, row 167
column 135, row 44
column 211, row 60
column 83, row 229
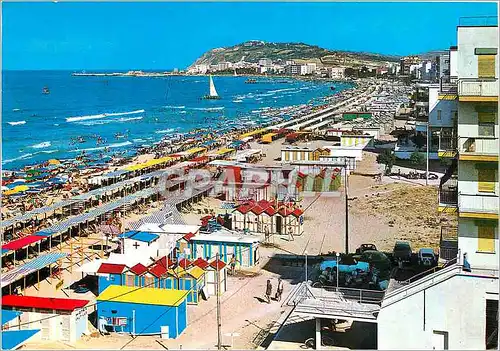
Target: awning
column 13, row 339
column 22, row 242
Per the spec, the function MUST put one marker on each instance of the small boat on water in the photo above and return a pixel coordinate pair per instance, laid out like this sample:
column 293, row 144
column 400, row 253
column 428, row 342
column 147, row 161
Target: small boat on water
column 332, row 87
column 45, row 90
column 212, row 93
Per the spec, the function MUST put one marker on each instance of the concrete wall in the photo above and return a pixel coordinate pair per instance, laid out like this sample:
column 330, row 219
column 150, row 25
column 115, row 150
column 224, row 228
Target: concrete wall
column 456, row 306
column 340, row 151
column 468, row 179
column 468, row 120
column 468, row 243
column 470, row 38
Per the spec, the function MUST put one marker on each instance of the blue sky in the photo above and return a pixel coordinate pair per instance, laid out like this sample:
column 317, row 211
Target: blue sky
column 167, row 35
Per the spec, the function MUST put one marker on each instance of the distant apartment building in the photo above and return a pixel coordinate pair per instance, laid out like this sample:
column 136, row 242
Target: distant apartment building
column 310, row 68
column 407, row 62
column 265, row 62
column 296, row 70
column 199, row 69
column 336, row 72
column 222, row 66
column 262, row 69
column 456, row 307
column 443, row 65
column 289, row 62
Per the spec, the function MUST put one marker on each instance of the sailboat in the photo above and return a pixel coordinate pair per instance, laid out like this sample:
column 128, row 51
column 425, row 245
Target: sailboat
column 213, row 93
column 235, row 74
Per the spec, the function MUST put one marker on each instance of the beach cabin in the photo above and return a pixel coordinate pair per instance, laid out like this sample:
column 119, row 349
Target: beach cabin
column 226, row 243
column 216, row 269
column 350, row 139
column 145, row 311
column 295, row 154
column 134, row 276
column 110, row 274
column 139, row 242
column 269, row 217
column 58, row 319
column 269, row 138
column 193, row 281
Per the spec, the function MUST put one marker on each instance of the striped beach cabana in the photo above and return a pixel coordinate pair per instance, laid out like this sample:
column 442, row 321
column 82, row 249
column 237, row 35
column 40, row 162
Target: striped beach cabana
column 192, row 280
column 110, row 274
column 270, row 217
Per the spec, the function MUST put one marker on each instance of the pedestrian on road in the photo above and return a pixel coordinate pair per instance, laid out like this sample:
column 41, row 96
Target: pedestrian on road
column 232, row 264
column 279, row 290
column 269, row 291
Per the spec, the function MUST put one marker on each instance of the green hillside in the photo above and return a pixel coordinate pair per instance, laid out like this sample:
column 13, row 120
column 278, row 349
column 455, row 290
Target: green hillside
column 252, row 51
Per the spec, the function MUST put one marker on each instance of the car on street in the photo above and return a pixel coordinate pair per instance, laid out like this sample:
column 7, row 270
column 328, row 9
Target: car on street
column 402, row 251
column 426, row 257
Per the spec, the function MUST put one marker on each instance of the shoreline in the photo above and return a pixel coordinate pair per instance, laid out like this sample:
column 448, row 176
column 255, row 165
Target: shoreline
column 298, row 110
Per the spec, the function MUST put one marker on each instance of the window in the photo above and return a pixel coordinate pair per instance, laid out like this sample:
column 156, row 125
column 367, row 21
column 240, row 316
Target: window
column 486, row 66
column 486, row 122
column 439, row 115
column 491, row 324
column 486, row 180
column 486, row 238
column 287, row 155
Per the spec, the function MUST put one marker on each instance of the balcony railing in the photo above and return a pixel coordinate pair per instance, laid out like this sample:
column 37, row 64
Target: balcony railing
column 478, row 203
column 448, row 195
column 478, row 87
column 447, row 143
column 448, row 243
column 478, row 145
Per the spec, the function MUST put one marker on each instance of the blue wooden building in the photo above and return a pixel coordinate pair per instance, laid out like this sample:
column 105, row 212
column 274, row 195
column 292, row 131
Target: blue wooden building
column 142, row 311
column 110, row 274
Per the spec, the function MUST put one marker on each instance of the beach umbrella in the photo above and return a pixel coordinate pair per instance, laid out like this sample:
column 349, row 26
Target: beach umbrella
column 109, row 229
column 4, row 188
column 54, row 162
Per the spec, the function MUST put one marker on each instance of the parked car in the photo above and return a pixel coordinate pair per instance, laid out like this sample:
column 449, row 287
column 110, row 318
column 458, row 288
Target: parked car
column 377, row 259
column 402, row 251
column 365, row 247
column 426, row 257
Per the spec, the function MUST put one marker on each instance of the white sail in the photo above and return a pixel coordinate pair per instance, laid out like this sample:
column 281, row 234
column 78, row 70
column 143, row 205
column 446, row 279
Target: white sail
column 235, row 73
column 213, row 92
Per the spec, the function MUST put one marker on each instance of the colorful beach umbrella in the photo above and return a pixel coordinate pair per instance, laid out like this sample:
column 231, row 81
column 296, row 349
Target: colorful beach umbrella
column 54, row 162
column 16, row 190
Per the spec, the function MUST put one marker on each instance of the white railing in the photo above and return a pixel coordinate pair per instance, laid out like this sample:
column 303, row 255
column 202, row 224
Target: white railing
column 478, row 87
column 480, row 203
column 478, row 145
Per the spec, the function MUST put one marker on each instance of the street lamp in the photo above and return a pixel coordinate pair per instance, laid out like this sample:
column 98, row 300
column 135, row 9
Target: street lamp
column 338, row 255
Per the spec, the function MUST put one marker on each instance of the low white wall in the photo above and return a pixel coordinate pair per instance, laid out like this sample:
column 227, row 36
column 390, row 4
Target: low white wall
column 456, row 306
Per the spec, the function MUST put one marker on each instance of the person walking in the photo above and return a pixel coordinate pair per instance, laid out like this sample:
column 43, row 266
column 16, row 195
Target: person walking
column 279, row 290
column 269, row 290
column 232, row 264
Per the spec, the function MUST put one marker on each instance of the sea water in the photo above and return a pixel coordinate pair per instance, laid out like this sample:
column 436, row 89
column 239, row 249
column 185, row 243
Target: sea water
column 127, row 112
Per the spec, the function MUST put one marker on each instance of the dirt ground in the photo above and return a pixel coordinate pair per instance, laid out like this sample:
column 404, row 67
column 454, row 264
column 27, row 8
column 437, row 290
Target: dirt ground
column 379, row 213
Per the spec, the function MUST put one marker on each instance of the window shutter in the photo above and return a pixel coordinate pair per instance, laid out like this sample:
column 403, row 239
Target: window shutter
column 486, row 180
column 486, row 66
column 486, row 239
column 486, row 117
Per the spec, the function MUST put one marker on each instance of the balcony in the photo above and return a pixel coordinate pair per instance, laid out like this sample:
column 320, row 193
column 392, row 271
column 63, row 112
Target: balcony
column 448, row 243
column 448, row 89
column 478, row 89
column 447, row 146
column 448, row 191
column 481, row 148
column 478, row 206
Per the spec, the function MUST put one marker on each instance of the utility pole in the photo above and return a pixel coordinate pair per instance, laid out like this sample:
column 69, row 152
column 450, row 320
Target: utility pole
column 427, row 157
column 346, row 211
column 217, row 293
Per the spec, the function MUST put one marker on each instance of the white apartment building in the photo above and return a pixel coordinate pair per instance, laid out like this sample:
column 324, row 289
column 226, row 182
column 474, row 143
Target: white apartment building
column 336, row 72
column 457, row 307
column 310, row 68
column 296, row 70
column 265, row 62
